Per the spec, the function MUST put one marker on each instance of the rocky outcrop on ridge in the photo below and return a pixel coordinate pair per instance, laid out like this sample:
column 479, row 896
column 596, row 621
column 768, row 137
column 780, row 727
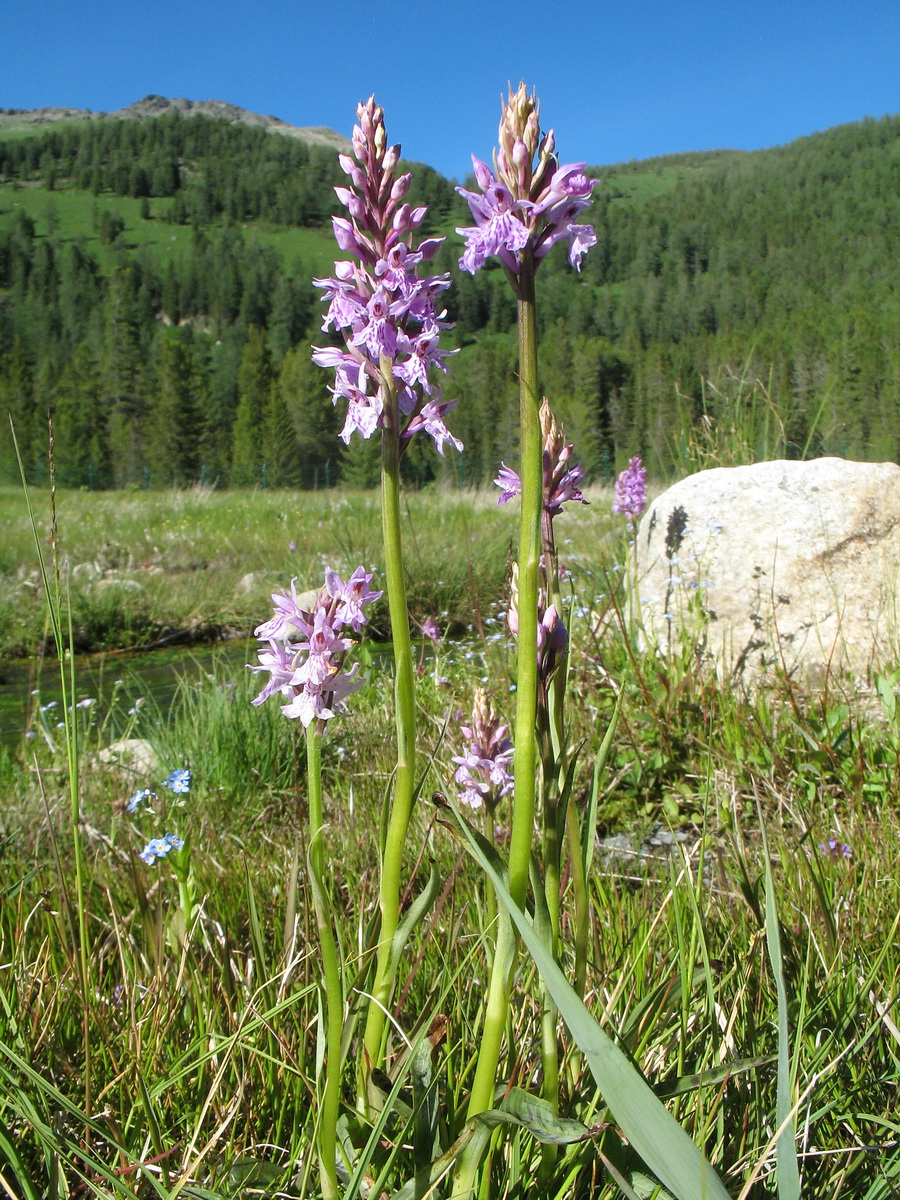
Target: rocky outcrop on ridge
column 158, row 106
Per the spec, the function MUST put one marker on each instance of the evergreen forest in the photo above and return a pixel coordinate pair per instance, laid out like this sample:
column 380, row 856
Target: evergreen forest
column 156, row 296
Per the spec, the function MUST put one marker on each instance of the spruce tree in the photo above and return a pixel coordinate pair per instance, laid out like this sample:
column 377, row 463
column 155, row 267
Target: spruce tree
column 254, row 384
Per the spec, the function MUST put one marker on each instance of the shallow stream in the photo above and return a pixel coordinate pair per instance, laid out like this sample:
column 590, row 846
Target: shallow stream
column 117, row 683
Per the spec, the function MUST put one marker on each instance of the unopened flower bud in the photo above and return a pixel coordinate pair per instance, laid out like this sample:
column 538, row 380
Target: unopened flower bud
column 401, row 221
column 400, row 188
column 550, row 433
column 483, row 175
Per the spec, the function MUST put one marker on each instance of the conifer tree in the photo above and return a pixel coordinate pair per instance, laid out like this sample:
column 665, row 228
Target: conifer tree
column 254, row 384
column 313, row 418
column 79, row 425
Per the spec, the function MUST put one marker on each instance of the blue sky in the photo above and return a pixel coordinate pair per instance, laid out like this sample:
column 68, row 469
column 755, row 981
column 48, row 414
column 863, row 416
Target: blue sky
column 616, row 80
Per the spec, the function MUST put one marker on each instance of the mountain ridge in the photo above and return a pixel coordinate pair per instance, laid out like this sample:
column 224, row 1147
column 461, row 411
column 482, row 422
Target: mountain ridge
column 154, row 105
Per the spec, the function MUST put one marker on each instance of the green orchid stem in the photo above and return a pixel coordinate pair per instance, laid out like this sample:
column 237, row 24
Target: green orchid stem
column 490, row 896
column 186, row 904
column 334, row 1005
column 405, row 715
column 525, row 759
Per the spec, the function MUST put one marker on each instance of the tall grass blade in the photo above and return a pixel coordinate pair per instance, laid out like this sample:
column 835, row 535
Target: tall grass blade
column 10, row 1153
column 590, row 824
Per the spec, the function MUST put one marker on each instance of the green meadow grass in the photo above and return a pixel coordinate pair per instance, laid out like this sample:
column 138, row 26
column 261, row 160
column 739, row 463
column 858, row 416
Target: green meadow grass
column 184, row 1064
column 207, row 560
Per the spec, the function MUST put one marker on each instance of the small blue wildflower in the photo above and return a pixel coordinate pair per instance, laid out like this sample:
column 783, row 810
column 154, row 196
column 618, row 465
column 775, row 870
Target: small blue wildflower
column 50, row 704
column 155, row 848
column 158, row 848
column 179, row 781
column 138, row 798
column 834, row 849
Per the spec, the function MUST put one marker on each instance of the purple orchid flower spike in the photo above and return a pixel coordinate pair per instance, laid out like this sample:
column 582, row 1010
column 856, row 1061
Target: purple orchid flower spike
column 309, row 673
column 485, row 769
column 386, row 312
column 528, row 199
column 562, row 481
column 631, row 490
column 431, row 629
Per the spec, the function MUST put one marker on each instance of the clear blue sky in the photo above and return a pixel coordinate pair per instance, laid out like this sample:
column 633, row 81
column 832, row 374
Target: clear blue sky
column 621, row 80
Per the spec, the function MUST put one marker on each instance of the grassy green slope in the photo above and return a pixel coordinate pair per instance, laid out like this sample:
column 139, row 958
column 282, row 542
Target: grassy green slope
column 73, row 214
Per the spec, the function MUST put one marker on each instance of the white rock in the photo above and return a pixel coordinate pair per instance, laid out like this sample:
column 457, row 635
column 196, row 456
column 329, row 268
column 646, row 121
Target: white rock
column 117, row 581
column 86, row 572
column 133, row 755
column 268, row 581
column 791, row 564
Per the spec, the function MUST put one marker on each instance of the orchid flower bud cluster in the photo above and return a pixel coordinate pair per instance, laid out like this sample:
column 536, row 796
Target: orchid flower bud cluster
column 528, row 200
column 631, row 490
column 562, row 482
column 484, row 770
column 387, row 314
column 552, row 635
column 306, row 648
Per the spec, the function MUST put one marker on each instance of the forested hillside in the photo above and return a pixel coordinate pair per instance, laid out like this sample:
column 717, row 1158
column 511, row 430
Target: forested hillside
column 155, row 293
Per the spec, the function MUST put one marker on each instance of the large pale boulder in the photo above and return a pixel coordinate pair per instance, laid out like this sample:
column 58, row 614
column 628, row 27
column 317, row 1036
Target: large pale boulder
column 780, row 564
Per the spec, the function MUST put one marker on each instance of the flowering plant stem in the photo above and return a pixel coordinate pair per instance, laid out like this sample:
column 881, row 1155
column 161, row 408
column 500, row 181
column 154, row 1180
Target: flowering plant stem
column 334, row 1005
column 405, row 710
column 525, row 761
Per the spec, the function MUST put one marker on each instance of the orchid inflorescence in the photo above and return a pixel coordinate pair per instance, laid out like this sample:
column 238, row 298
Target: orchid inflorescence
column 484, row 770
column 384, row 310
column 306, row 648
column 525, row 203
column 631, row 490
column 562, row 482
